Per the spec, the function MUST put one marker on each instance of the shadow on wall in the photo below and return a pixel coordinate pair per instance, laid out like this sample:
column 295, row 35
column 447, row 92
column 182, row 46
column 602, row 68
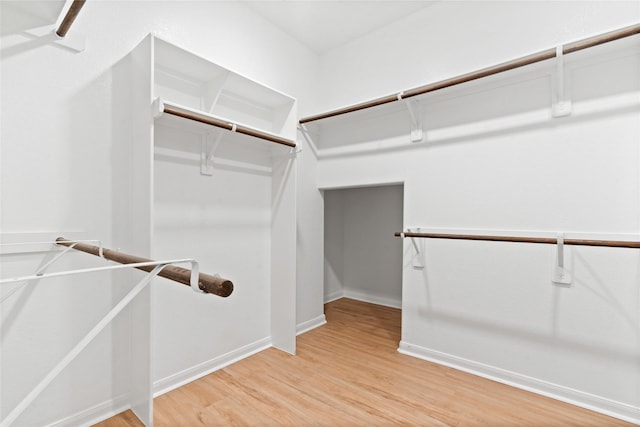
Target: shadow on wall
column 14, row 301
column 546, row 329
column 515, row 335
column 604, row 293
column 30, row 22
column 19, row 16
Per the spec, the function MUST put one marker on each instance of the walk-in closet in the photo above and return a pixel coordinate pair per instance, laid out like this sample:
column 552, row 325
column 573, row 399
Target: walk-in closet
column 319, row 213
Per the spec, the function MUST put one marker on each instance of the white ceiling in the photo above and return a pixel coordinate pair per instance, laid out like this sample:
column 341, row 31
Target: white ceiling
column 325, row 24
column 319, row 24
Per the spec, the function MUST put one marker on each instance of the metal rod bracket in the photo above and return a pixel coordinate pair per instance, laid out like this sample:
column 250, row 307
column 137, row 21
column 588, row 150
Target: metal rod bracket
column 293, row 153
column 418, row 256
column 561, row 105
column 417, row 134
column 208, row 152
column 561, row 274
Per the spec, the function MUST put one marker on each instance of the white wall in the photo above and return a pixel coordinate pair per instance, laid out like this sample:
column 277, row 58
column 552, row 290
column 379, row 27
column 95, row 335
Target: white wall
column 57, row 163
column 363, row 260
column 205, row 218
column 494, row 160
column 333, row 245
column 309, row 270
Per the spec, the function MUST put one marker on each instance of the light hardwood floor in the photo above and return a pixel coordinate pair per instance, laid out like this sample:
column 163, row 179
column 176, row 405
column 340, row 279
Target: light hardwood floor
column 348, row 373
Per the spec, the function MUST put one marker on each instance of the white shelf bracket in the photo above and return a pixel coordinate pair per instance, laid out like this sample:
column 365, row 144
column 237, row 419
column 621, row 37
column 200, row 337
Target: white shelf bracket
column 208, row 152
column 561, row 105
column 417, row 135
column 305, row 134
column 195, row 275
column 418, row 257
column 561, row 274
column 157, row 108
column 213, row 90
column 295, row 151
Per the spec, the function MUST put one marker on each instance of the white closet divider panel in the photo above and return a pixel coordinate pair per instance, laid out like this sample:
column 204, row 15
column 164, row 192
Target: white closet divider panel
column 134, row 229
column 283, row 254
column 239, row 220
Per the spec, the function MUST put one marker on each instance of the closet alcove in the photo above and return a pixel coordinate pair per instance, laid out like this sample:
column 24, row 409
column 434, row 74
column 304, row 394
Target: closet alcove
column 362, row 259
column 205, row 162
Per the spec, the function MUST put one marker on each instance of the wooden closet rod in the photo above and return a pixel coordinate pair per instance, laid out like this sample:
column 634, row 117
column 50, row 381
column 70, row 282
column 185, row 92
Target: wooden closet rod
column 206, row 282
column 551, row 241
column 71, row 16
column 209, row 120
column 505, row 66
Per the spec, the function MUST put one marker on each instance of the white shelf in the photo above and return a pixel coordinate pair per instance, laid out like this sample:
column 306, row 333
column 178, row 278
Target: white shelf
column 186, row 79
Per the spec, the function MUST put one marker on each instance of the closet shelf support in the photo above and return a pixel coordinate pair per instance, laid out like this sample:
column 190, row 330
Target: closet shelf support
column 417, row 134
column 562, row 105
column 561, row 274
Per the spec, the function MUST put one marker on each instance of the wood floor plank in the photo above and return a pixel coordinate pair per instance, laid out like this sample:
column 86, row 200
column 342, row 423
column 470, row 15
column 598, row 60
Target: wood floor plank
column 349, row 373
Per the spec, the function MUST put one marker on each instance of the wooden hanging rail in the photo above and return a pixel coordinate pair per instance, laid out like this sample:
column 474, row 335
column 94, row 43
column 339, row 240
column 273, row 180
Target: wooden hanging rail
column 206, row 282
column 499, row 68
column 551, row 241
column 201, row 117
column 71, row 16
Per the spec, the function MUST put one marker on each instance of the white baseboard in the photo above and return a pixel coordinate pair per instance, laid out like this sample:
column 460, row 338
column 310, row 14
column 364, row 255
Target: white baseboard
column 121, row 403
column 589, row 401
column 191, row 374
column 373, row 299
column 95, row 414
column 311, row 324
column 333, row 296
column 364, row 297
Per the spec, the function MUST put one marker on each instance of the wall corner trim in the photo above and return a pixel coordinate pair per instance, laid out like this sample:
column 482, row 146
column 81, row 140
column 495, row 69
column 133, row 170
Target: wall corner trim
column 96, row 413
column 372, row 299
column 188, row 375
column 310, row 324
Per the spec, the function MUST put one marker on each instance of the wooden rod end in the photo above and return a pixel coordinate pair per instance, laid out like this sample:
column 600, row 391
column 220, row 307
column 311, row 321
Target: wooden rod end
column 222, row 288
